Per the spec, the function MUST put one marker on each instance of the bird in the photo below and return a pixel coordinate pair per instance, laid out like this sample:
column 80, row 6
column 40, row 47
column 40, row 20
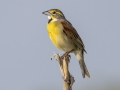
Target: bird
column 65, row 37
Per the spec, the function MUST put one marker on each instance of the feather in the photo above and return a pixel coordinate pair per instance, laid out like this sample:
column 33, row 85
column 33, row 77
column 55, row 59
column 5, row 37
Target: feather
column 71, row 33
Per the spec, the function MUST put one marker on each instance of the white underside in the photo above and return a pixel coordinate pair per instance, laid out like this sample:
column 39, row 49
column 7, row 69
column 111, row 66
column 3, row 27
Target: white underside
column 65, row 43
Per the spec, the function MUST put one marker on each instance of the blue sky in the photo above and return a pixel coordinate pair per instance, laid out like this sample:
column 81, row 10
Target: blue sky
column 25, row 48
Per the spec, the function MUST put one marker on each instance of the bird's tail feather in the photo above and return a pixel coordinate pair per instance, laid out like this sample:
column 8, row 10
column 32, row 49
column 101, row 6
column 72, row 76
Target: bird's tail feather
column 80, row 57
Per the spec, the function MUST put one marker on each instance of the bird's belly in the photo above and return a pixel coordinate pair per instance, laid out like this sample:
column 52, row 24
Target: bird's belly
column 62, row 42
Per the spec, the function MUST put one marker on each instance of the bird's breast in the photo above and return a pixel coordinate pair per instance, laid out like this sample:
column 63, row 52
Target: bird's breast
column 59, row 39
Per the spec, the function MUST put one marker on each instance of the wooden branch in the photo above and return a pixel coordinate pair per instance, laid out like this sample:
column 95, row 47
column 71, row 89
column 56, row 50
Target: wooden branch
column 67, row 78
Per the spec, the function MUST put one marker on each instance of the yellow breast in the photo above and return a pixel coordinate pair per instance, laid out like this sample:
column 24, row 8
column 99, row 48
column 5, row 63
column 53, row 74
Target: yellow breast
column 55, row 32
column 59, row 39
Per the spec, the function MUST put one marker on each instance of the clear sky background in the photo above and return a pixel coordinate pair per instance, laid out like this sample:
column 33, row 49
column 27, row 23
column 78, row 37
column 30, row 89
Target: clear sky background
column 25, row 48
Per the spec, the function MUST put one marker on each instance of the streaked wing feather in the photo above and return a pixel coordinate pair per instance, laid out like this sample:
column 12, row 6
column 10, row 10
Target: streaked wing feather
column 70, row 32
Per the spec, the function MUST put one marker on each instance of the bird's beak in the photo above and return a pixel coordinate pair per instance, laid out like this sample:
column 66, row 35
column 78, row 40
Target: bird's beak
column 46, row 13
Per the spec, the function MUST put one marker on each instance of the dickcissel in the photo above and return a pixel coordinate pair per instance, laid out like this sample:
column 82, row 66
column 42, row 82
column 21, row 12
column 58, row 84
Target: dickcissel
column 65, row 37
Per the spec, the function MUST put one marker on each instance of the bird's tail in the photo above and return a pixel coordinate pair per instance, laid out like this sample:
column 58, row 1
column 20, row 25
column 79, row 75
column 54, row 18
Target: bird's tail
column 80, row 57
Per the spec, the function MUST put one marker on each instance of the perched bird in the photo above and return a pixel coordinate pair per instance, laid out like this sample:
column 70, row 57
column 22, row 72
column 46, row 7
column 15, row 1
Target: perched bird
column 65, row 37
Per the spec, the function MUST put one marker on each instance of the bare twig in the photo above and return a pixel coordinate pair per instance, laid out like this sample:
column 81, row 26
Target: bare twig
column 67, row 78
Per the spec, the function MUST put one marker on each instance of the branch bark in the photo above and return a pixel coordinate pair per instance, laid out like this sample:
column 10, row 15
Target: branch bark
column 67, row 78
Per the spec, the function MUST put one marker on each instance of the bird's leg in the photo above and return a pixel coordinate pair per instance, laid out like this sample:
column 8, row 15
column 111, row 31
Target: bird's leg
column 66, row 54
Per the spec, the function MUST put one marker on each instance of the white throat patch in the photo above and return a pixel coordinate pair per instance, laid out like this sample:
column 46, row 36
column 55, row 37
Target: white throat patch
column 55, row 19
column 49, row 17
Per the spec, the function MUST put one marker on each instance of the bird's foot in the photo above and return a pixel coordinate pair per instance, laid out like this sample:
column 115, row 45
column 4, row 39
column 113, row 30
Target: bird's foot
column 66, row 55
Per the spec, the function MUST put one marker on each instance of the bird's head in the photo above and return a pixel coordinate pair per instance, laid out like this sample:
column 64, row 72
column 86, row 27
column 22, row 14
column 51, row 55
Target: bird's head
column 54, row 14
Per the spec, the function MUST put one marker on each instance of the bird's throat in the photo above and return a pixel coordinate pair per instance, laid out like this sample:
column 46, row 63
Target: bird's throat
column 49, row 20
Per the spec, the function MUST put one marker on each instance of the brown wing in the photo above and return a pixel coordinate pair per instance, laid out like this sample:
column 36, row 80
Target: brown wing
column 70, row 31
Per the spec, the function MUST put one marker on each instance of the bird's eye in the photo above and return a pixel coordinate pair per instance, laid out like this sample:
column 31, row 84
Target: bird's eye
column 54, row 12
